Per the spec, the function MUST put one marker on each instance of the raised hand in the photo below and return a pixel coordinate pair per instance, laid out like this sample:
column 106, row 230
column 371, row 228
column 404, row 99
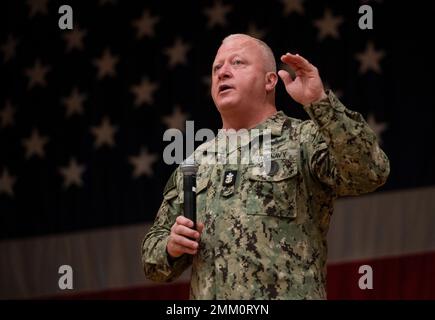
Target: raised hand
column 307, row 87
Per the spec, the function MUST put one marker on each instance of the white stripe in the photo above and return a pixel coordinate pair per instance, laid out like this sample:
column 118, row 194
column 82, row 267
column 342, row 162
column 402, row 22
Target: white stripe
column 103, row 259
column 383, row 224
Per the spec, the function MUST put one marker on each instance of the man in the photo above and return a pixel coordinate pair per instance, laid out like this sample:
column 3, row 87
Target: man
column 262, row 234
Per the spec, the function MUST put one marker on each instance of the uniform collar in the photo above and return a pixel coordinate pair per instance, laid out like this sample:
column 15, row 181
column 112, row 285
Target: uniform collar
column 275, row 123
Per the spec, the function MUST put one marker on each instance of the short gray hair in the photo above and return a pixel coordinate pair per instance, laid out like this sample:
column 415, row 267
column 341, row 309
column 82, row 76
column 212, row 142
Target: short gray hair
column 269, row 58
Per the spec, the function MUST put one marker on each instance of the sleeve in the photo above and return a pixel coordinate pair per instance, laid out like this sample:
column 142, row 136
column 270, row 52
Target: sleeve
column 343, row 152
column 157, row 264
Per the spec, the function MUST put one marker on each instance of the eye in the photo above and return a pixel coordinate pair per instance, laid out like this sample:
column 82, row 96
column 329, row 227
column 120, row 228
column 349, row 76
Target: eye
column 237, row 62
column 216, row 67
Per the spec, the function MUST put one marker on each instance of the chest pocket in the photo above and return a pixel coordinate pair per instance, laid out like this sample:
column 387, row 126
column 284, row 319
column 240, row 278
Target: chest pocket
column 202, row 185
column 273, row 193
column 202, row 182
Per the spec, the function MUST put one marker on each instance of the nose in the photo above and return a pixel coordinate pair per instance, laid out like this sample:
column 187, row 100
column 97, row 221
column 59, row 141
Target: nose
column 224, row 72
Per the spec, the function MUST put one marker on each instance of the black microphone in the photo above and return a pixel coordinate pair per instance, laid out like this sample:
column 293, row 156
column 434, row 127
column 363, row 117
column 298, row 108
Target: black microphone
column 189, row 169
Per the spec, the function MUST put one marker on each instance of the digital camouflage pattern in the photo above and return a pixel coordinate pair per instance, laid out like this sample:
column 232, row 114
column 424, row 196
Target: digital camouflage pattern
column 265, row 232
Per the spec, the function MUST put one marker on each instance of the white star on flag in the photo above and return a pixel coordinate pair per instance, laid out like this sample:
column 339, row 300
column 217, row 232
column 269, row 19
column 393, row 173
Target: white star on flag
column 370, row 59
column 37, row 6
column 104, row 134
column 176, row 120
column 37, row 75
column 291, row 6
column 377, row 127
column 8, row 48
column 144, row 92
column 72, row 174
column 74, row 103
column 7, row 183
column 177, row 53
column 145, row 25
column 34, row 145
column 328, row 25
column 74, row 39
column 253, row 31
column 217, row 14
column 106, row 64
column 7, row 115
column 143, row 163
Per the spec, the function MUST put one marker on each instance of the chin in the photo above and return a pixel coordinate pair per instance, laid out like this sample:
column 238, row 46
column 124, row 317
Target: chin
column 225, row 107
column 226, row 104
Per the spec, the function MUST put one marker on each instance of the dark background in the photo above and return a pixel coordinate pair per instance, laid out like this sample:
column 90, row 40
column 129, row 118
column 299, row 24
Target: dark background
column 401, row 97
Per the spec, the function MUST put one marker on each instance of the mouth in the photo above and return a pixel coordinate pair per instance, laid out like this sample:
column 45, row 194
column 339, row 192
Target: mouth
column 224, row 88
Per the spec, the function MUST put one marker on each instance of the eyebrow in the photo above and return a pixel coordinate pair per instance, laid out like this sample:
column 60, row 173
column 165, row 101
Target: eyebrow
column 232, row 56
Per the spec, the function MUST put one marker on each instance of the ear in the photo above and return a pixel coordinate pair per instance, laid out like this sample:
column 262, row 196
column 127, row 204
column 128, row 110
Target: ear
column 271, row 81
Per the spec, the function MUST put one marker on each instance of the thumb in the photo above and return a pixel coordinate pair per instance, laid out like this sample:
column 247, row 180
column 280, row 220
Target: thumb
column 285, row 77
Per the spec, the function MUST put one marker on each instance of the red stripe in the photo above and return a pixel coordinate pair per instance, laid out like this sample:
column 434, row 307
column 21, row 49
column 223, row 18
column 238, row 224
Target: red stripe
column 402, row 277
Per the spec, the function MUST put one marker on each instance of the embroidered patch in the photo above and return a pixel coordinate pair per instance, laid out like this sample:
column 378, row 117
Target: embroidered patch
column 229, row 178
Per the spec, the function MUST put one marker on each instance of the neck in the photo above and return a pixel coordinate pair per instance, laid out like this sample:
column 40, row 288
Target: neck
column 241, row 119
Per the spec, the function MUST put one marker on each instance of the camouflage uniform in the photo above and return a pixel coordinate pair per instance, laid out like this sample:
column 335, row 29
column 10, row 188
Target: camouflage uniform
column 265, row 234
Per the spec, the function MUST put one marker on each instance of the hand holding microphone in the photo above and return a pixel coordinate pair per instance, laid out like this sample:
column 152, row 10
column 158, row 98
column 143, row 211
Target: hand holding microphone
column 185, row 232
column 180, row 240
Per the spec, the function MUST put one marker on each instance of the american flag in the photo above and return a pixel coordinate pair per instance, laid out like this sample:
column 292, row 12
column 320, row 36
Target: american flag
column 83, row 112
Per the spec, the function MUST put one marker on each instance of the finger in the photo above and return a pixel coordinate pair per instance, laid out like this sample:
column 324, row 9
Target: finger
column 182, row 249
column 301, row 72
column 187, row 232
column 285, row 77
column 290, row 58
column 184, row 221
column 296, row 67
column 200, row 227
column 183, row 241
column 296, row 60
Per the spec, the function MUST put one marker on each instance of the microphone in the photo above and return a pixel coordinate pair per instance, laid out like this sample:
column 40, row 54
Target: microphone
column 189, row 169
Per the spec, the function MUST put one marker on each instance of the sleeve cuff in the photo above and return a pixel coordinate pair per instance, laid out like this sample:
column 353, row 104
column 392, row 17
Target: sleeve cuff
column 172, row 263
column 323, row 111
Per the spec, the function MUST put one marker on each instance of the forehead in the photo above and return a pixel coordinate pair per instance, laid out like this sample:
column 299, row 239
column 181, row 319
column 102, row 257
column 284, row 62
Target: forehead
column 240, row 46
